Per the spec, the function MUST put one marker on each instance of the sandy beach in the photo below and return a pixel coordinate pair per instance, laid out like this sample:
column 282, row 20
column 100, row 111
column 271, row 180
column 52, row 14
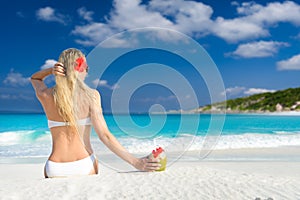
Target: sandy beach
column 211, row 178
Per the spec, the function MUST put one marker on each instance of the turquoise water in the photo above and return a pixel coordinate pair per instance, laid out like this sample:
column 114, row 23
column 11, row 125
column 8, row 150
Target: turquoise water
column 234, row 123
column 27, row 135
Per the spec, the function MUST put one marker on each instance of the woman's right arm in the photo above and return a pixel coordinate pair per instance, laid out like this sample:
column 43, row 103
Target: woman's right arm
column 100, row 126
column 37, row 79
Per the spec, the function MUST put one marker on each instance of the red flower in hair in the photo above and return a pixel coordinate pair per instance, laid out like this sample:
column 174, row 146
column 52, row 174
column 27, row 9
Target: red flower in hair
column 80, row 64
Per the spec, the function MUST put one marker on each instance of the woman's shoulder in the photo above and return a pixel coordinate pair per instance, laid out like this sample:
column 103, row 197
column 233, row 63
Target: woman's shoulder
column 45, row 93
column 96, row 98
column 96, row 93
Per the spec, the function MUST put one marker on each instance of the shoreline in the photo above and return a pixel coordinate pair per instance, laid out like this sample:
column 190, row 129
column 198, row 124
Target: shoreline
column 280, row 154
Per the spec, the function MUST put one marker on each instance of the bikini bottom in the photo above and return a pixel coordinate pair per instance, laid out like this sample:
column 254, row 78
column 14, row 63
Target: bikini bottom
column 75, row 168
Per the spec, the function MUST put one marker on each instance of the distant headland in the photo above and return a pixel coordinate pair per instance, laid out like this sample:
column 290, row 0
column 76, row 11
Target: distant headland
column 281, row 101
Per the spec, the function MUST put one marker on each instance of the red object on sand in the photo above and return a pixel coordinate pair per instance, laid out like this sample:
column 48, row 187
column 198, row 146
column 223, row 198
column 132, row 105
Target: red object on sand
column 157, row 152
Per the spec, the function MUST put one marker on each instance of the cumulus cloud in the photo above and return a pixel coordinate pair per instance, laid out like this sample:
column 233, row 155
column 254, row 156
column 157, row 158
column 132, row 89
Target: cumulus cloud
column 120, row 41
column 274, row 12
column 255, row 19
column 237, row 91
column 190, row 17
column 252, row 91
column 234, row 30
column 248, row 8
column 50, row 15
column 258, row 49
column 48, row 63
column 91, row 34
column 85, row 14
column 233, row 91
column 16, row 79
column 104, row 83
column 292, row 63
column 129, row 14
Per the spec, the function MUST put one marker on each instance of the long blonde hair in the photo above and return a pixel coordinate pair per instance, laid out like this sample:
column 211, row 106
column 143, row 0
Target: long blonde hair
column 70, row 93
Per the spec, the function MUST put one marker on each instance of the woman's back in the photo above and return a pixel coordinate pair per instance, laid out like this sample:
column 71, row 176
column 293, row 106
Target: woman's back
column 68, row 144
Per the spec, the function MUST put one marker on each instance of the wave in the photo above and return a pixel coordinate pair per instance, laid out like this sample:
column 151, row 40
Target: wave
column 20, row 137
column 38, row 143
column 197, row 143
column 286, row 132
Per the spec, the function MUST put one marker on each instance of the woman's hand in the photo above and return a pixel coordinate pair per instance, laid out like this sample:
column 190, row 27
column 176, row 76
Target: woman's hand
column 147, row 164
column 59, row 69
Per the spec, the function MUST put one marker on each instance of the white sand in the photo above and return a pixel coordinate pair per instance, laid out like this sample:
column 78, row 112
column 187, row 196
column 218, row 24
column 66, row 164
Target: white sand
column 182, row 180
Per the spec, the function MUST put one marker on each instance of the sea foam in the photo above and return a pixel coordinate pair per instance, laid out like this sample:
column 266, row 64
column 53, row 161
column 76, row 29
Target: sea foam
column 37, row 144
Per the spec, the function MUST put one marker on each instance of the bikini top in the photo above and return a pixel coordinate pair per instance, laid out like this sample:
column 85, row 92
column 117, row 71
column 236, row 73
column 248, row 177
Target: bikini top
column 85, row 121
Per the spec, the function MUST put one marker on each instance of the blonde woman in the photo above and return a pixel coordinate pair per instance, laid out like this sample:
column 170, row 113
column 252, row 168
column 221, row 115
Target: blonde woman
column 72, row 108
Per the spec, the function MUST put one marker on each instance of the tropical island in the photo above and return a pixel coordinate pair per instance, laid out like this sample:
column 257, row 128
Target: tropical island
column 279, row 101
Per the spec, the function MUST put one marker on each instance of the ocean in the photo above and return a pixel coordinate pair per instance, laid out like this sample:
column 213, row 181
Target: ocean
column 27, row 135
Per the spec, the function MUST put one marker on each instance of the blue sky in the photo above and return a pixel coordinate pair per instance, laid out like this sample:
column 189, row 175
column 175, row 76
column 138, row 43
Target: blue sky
column 255, row 44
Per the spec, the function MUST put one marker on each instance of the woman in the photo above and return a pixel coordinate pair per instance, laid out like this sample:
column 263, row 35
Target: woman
column 72, row 108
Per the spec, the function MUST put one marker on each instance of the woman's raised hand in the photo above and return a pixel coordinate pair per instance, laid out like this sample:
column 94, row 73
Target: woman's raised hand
column 59, row 69
column 147, row 164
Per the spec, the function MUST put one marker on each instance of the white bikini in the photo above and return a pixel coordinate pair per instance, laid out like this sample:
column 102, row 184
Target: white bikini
column 64, row 169
column 85, row 121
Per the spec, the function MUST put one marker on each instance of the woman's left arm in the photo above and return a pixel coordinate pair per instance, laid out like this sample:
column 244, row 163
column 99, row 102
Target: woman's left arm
column 100, row 126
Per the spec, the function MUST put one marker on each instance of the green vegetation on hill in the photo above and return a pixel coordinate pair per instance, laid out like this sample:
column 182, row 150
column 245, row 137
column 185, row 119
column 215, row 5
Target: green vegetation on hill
column 282, row 100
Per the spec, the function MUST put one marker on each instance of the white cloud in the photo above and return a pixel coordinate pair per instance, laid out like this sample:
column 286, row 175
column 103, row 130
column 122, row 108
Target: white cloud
column 292, row 63
column 258, row 49
column 129, row 14
column 120, row 41
column 104, row 83
column 252, row 91
column 248, row 8
column 86, row 15
column 92, row 33
column 256, row 19
column 15, row 97
column 115, row 86
column 237, row 91
column 233, row 91
column 190, row 17
column 274, row 12
column 50, row 15
column 234, row 30
column 48, row 63
column 159, row 99
column 16, row 79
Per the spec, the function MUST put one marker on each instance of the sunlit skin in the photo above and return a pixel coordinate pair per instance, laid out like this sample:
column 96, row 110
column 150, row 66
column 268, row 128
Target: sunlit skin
column 66, row 149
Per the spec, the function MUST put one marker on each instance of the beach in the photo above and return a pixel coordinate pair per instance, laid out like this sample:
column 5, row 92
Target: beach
column 213, row 177
column 213, row 85
column 254, row 157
